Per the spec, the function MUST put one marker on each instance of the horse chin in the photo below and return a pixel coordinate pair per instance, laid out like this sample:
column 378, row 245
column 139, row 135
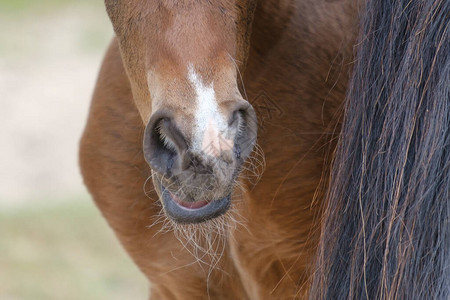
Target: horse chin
column 192, row 212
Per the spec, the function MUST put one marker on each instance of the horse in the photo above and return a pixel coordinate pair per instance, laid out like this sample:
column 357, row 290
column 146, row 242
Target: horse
column 289, row 149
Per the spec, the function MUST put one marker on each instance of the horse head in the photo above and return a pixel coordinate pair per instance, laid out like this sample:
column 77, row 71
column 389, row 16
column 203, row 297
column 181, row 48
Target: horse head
column 183, row 60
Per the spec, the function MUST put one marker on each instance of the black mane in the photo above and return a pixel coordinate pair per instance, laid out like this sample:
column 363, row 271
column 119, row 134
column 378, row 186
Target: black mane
column 385, row 230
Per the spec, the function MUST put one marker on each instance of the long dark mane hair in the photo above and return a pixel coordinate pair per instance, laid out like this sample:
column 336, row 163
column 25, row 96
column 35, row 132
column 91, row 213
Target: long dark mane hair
column 385, row 228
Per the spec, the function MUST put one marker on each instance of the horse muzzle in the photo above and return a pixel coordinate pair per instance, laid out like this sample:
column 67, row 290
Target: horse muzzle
column 194, row 183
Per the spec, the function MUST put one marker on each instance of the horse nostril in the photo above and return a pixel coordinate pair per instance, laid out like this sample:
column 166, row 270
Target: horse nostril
column 161, row 129
column 163, row 143
column 244, row 121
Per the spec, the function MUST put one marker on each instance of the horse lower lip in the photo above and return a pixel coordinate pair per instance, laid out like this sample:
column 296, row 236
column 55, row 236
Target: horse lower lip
column 195, row 212
column 189, row 205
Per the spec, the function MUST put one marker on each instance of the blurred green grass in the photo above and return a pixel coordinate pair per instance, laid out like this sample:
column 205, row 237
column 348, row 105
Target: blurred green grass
column 27, row 26
column 25, row 6
column 59, row 249
column 64, row 251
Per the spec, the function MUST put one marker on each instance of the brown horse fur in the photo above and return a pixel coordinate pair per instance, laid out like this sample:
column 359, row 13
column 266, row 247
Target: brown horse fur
column 296, row 71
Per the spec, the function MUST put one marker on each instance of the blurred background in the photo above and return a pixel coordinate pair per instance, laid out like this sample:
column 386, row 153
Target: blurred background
column 54, row 244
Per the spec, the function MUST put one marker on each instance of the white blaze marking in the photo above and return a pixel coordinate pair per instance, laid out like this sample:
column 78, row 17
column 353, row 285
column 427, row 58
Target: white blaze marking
column 210, row 126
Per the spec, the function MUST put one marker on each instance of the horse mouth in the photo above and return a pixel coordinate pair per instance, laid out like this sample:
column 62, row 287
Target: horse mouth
column 190, row 212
